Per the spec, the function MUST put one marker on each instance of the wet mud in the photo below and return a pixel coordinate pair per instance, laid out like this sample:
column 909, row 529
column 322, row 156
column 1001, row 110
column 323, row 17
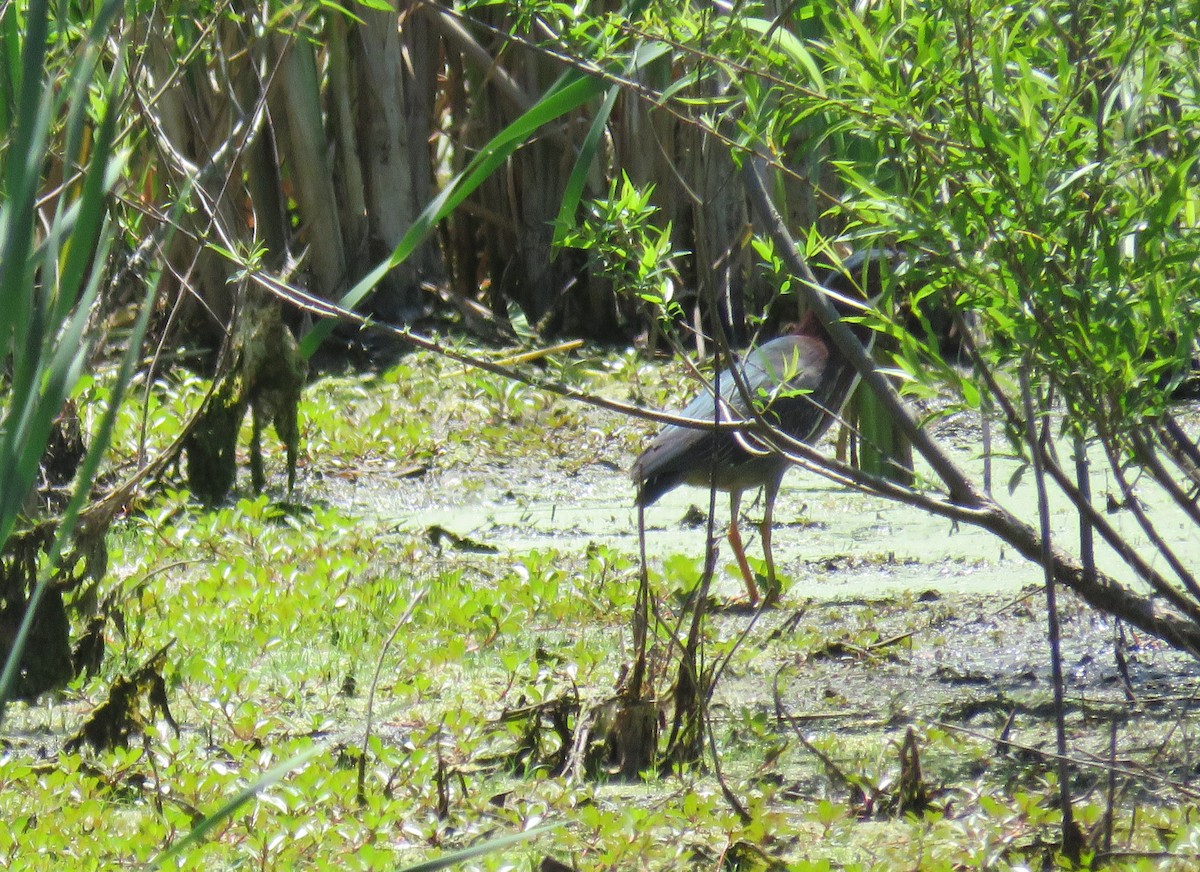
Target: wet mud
column 889, row 616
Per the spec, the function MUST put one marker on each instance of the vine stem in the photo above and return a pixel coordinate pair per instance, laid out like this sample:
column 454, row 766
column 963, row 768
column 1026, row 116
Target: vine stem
column 1072, row 838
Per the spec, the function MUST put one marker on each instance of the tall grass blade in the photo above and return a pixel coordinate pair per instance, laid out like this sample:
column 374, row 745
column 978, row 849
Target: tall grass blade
column 454, row 858
column 271, row 777
column 48, row 308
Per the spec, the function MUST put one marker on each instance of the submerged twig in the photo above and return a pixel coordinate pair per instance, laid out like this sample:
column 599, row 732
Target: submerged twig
column 1072, row 838
column 362, row 759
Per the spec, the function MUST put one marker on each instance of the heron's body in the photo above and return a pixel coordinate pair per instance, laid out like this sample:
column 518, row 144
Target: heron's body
column 798, row 386
column 797, row 382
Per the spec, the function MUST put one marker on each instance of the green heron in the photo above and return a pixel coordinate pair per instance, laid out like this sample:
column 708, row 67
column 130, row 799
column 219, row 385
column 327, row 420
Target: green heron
column 799, row 382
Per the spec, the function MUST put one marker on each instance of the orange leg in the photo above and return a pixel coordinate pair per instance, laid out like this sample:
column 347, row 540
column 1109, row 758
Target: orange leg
column 770, row 492
column 739, row 550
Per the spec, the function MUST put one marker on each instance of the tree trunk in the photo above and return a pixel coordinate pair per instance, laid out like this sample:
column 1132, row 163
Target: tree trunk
column 348, row 175
column 296, row 110
column 516, row 207
column 396, row 70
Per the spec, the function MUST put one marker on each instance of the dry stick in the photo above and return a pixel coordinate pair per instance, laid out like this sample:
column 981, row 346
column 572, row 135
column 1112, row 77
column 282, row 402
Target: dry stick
column 1110, row 810
column 1156, row 539
column 362, row 759
column 985, row 432
column 1083, row 481
column 322, row 308
column 1087, row 556
column 1072, row 838
column 641, row 614
column 726, row 791
column 834, row 772
column 687, row 685
column 1120, row 644
column 528, row 356
column 1181, row 449
column 969, row 329
column 1142, row 774
column 1148, row 458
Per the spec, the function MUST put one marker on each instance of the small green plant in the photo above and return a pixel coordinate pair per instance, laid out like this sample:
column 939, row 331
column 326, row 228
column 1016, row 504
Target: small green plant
column 629, row 250
column 59, row 161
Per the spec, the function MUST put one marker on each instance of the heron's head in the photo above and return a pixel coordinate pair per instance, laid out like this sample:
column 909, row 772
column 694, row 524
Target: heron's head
column 860, row 279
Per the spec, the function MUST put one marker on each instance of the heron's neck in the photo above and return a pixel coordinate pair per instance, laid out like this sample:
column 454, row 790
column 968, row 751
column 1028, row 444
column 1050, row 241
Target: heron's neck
column 809, row 325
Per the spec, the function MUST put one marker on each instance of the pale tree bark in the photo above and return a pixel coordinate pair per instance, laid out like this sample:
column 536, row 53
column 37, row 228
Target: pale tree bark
column 720, row 221
column 482, row 95
column 188, row 125
column 348, row 170
column 394, row 63
column 248, row 70
column 514, row 210
column 295, row 100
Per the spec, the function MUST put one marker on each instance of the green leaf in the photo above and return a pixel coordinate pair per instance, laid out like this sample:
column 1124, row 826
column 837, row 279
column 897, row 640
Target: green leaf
column 579, row 171
column 242, row 797
column 782, row 39
column 487, row 846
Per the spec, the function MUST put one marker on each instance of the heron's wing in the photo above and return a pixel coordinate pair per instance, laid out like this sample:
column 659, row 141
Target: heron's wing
column 676, row 454
column 800, row 385
column 779, row 377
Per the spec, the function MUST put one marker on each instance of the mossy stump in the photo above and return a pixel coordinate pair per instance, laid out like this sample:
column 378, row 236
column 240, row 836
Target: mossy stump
column 266, row 376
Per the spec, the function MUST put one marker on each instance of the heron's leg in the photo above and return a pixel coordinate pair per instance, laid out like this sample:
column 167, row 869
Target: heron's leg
column 770, row 492
column 739, row 550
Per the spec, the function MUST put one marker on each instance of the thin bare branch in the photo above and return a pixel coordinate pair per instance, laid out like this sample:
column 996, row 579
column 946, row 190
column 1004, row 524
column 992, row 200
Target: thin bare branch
column 961, row 490
column 1135, row 506
column 1147, row 456
column 1072, row 843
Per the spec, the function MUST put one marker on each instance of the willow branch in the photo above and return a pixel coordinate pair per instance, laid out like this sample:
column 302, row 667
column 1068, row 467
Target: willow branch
column 1148, row 458
column 961, row 489
column 1156, row 539
column 1099, row 523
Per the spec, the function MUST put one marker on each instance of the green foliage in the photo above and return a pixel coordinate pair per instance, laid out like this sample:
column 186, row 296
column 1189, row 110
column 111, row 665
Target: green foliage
column 634, row 254
column 1043, row 166
column 1041, row 159
column 54, row 243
